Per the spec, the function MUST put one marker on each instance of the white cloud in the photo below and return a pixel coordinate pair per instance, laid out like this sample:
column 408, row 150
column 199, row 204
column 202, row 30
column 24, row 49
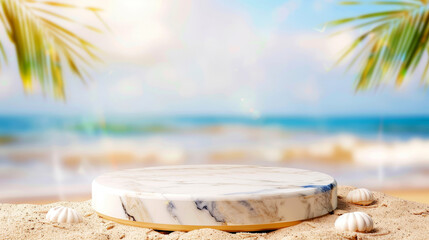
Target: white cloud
column 199, row 55
column 308, row 91
column 320, row 5
column 205, row 50
column 321, row 47
column 129, row 88
column 7, row 85
column 283, row 12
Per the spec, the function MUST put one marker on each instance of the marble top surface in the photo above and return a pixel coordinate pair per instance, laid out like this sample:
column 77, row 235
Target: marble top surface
column 215, row 182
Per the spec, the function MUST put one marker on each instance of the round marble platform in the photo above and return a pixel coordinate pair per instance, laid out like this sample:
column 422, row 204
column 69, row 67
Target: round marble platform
column 226, row 197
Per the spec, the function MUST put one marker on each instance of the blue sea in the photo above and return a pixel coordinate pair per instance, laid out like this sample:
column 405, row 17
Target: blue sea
column 56, row 157
column 368, row 127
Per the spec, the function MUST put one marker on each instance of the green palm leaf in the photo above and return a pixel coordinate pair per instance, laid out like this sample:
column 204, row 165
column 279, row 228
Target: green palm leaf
column 44, row 48
column 393, row 43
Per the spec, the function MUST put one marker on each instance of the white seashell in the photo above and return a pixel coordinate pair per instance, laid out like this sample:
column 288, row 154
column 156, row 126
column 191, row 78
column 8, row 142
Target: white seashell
column 361, row 196
column 62, row 214
column 355, row 221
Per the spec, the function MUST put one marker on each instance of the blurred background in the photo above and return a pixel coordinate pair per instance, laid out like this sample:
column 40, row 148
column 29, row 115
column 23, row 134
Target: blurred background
column 201, row 82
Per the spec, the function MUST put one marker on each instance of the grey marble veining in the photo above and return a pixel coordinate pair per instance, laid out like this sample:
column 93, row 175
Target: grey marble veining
column 214, row 195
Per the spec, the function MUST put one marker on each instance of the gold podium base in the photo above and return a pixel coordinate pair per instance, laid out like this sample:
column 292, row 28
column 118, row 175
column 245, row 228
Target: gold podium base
column 185, row 228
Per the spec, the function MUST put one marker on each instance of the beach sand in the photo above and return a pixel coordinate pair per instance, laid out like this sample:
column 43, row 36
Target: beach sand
column 417, row 195
column 394, row 218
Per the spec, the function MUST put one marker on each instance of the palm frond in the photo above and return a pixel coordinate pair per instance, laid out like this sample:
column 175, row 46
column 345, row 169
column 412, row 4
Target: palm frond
column 45, row 48
column 393, row 45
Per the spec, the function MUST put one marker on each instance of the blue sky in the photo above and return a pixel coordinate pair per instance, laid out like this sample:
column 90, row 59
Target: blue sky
column 245, row 57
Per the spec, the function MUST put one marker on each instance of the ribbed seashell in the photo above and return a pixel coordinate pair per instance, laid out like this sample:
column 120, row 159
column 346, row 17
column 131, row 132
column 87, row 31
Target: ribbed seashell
column 62, row 214
column 355, row 221
column 360, row 196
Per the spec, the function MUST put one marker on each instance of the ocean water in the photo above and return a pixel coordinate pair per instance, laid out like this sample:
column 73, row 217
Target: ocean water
column 369, row 127
column 51, row 156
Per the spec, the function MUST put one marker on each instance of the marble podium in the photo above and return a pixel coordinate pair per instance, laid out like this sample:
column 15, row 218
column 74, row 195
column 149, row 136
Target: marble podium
column 225, row 197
